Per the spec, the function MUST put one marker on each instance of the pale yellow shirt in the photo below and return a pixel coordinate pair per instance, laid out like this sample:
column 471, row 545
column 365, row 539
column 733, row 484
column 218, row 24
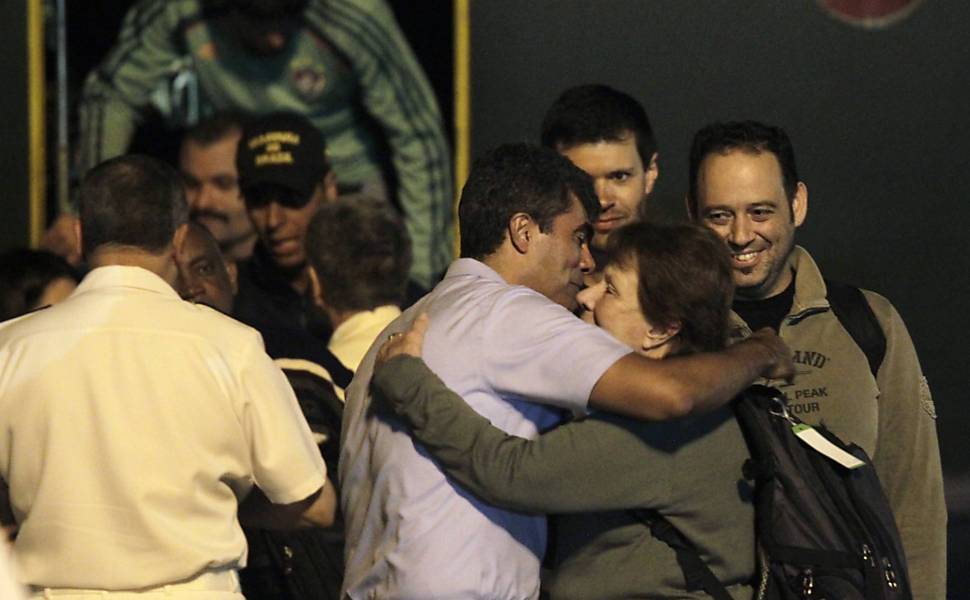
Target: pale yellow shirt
column 352, row 338
column 131, row 424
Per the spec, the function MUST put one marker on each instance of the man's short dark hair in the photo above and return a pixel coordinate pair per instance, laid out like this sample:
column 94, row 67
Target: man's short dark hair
column 684, row 276
column 748, row 136
column 24, row 275
column 134, row 201
column 214, row 128
column 361, row 252
column 587, row 114
column 517, row 178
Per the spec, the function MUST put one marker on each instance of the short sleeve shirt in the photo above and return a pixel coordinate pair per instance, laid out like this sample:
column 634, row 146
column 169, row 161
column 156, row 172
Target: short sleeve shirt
column 132, row 423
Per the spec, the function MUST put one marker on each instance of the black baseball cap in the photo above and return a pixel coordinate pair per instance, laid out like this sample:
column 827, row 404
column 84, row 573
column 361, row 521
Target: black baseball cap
column 282, row 149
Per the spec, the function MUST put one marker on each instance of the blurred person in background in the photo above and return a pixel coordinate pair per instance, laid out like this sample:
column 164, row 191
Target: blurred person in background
column 343, row 64
column 207, row 161
column 358, row 255
column 31, row 279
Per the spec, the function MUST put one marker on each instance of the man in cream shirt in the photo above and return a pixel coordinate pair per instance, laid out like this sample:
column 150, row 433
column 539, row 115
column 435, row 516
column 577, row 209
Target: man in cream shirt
column 135, row 423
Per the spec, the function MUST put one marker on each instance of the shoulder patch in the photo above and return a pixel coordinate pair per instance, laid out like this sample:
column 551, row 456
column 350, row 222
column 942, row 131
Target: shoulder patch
column 925, row 398
column 39, row 308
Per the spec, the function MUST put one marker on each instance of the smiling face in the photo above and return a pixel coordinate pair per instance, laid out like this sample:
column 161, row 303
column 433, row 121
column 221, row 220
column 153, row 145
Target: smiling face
column 740, row 196
column 616, row 306
column 560, row 256
column 621, row 180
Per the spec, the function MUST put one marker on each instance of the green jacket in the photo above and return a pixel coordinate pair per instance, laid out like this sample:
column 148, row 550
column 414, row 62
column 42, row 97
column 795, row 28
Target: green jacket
column 891, row 416
column 598, row 468
column 347, row 68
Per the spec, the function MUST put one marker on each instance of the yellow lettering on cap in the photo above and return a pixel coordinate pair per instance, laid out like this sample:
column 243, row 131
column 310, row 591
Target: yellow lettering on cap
column 274, row 158
column 278, row 137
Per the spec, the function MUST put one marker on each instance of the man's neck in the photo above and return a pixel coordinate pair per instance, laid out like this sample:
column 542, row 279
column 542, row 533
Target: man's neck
column 295, row 278
column 339, row 317
column 161, row 264
column 766, row 312
column 507, row 269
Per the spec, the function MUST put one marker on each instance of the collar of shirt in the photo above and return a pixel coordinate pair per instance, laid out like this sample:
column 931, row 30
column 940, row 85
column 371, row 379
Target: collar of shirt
column 362, row 322
column 125, row 276
column 464, row 267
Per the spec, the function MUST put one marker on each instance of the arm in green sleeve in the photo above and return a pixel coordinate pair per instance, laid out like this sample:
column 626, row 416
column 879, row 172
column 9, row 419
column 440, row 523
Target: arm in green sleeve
column 117, row 92
column 396, row 93
column 601, row 463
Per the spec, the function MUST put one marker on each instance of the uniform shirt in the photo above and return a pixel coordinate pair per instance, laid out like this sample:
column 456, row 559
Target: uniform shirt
column 132, row 424
column 410, row 532
column 352, row 338
column 347, row 68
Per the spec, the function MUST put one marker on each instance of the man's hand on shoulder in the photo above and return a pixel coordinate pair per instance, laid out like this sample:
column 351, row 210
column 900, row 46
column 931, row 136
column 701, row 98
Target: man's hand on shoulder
column 409, row 342
column 779, row 355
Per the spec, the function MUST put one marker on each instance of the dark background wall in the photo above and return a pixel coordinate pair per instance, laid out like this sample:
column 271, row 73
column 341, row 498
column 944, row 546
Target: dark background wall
column 879, row 120
column 14, row 132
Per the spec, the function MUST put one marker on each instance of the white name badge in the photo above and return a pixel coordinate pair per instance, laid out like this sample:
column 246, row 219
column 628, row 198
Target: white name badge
column 815, row 441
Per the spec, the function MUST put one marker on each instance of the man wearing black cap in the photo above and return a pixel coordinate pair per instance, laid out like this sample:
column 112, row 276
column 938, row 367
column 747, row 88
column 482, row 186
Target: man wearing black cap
column 345, row 64
column 284, row 177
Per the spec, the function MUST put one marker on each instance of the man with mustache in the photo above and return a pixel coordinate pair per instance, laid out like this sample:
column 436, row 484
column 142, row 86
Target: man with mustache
column 344, row 65
column 207, row 160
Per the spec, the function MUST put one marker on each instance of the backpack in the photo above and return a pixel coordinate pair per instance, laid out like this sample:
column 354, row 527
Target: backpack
column 854, row 313
column 824, row 531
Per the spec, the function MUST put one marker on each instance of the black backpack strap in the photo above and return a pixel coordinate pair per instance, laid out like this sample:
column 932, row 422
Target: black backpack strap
column 853, row 311
column 697, row 575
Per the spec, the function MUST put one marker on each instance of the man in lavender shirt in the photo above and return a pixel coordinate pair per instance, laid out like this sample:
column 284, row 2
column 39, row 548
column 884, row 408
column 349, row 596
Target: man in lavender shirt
column 503, row 335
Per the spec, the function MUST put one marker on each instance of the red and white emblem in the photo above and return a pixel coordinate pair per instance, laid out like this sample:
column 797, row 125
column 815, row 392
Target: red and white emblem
column 870, row 14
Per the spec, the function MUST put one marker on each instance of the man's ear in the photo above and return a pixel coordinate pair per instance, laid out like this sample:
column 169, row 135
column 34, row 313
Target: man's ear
column 233, row 270
column 316, row 288
column 522, row 230
column 658, row 335
column 799, row 204
column 652, row 172
column 178, row 240
column 330, row 187
column 79, row 246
